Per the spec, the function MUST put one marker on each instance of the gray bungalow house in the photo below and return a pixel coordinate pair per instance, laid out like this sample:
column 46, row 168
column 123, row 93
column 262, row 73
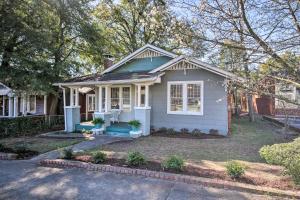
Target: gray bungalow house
column 154, row 86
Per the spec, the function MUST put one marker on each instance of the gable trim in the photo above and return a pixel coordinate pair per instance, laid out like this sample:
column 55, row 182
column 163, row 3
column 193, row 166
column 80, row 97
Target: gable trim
column 140, row 50
column 199, row 64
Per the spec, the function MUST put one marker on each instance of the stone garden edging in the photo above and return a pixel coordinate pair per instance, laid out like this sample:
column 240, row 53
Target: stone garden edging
column 170, row 177
column 8, row 156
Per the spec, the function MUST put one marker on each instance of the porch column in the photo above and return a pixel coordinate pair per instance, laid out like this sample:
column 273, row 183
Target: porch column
column 146, row 95
column 28, row 103
column 24, row 105
column 100, row 98
column 139, row 95
column 3, row 108
column 71, row 96
column 107, row 97
column 45, row 104
column 64, row 100
column 16, row 110
column 76, row 97
column 10, row 106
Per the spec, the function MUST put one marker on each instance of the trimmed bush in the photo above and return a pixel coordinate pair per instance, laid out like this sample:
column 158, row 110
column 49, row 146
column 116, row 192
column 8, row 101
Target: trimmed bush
column 135, row 159
column 184, row 130
column 67, row 153
column 162, row 129
column 174, row 163
column 171, row 131
column 196, row 132
column 99, row 157
column 235, row 169
column 2, row 147
column 286, row 155
column 135, row 123
column 98, row 120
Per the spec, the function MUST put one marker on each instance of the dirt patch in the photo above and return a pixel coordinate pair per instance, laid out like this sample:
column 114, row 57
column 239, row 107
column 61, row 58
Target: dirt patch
column 187, row 135
column 21, row 154
column 284, row 184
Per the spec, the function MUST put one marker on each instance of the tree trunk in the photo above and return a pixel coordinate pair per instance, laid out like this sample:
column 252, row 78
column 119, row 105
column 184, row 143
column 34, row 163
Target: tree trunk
column 53, row 106
column 250, row 107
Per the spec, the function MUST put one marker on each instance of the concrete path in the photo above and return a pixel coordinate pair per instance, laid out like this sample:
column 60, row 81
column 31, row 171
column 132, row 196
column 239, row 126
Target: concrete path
column 82, row 146
column 25, row 180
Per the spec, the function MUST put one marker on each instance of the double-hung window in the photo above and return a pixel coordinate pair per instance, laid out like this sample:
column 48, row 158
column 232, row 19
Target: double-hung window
column 185, row 97
column 91, row 102
column 120, row 98
column 32, row 104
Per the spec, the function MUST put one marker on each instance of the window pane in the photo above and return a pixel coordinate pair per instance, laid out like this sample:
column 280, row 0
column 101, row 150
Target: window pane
column 176, row 97
column 103, row 98
column 91, row 103
column 193, row 97
column 143, row 89
column 126, row 98
column 115, row 98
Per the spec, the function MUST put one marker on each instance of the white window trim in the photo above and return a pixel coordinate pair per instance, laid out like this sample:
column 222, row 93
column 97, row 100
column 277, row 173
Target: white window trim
column 121, row 97
column 88, row 102
column 34, row 110
column 184, row 98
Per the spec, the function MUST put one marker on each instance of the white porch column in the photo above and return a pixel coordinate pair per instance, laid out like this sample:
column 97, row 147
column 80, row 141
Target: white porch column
column 45, row 104
column 28, row 103
column 139, row 95
column 3, row 108
column 146, row 95
column 76, row 97
column 100, row 98
column 65, row 114
column 107, row 97
column 71, row 96
column 10, row 106
column 16, row 110
column 24, row 105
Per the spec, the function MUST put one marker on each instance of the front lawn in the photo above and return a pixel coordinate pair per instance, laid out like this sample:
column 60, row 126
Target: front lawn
column 211, row 154
column 41, row 145
column 244, row 143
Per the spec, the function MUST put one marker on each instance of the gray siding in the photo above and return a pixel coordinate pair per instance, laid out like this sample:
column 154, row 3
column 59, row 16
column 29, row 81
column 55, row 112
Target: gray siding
column 215, row 115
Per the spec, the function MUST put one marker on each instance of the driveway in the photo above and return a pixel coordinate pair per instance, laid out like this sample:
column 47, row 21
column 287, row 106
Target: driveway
column 26, row 180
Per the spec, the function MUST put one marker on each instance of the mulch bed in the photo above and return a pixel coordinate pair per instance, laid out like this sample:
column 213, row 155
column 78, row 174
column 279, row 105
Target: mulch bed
column 22, row 154
column 196, row 171
column 187, row 135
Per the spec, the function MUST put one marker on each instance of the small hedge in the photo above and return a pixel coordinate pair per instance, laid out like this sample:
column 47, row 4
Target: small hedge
column 285, row 154
column 29, row 125
column 135, row 159
column 67, row 153
column 99, row 157
column 174, row 163
column 235, row 169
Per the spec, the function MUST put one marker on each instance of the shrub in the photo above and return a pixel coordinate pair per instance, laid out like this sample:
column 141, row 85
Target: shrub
column 2, row 147
column 213, row 132
column 135, row 123
column 21, row 149
column 99, row 157
column 286, row 155
column 162, row 129
column 173, row 163
column 196, row 132
column 98, row 120
column 171, row 131
column 135, row 159
column 86, row 131
column 184, row 130
column 234, row 169
column 67, row 153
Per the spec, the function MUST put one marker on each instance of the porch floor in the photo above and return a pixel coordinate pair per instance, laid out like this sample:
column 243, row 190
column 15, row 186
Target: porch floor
column 115, row 129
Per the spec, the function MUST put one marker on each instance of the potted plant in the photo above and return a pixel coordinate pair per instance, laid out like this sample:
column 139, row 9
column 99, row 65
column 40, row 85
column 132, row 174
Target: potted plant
column 135, row 125
column 98, row 122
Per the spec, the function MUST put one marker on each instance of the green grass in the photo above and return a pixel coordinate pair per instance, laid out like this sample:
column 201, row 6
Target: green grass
column 40, row 145
column 244, row 143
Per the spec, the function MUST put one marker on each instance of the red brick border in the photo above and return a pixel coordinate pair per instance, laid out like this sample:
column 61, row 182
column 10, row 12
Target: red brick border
column 8, row 156
column 171, row 177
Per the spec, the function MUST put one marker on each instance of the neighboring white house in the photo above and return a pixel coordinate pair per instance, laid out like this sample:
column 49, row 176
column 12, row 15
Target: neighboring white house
column 289, row 92
column 13, row 105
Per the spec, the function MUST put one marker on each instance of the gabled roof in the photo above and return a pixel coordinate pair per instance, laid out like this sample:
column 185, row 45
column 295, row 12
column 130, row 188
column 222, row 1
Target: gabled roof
column 199, row 64
column 4, row 90
column 140, row 50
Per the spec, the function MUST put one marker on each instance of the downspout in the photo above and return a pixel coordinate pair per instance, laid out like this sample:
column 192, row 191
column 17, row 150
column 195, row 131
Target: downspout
column 64, row 100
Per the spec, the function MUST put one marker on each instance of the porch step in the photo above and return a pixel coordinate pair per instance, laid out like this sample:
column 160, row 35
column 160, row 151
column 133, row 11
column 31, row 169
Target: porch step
column 119, row 134
column 80, row 127
column 118, row 129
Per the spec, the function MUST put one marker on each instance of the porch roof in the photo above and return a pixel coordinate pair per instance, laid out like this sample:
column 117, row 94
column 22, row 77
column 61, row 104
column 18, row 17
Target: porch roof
column 122, row 77
column 4, row 90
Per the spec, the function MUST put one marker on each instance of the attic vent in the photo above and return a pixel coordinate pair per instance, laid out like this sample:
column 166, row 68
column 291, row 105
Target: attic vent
column 148, row 53
column 182, row 66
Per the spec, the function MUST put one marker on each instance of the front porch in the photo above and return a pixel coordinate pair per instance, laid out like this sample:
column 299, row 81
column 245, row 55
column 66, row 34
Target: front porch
column 120, row 129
